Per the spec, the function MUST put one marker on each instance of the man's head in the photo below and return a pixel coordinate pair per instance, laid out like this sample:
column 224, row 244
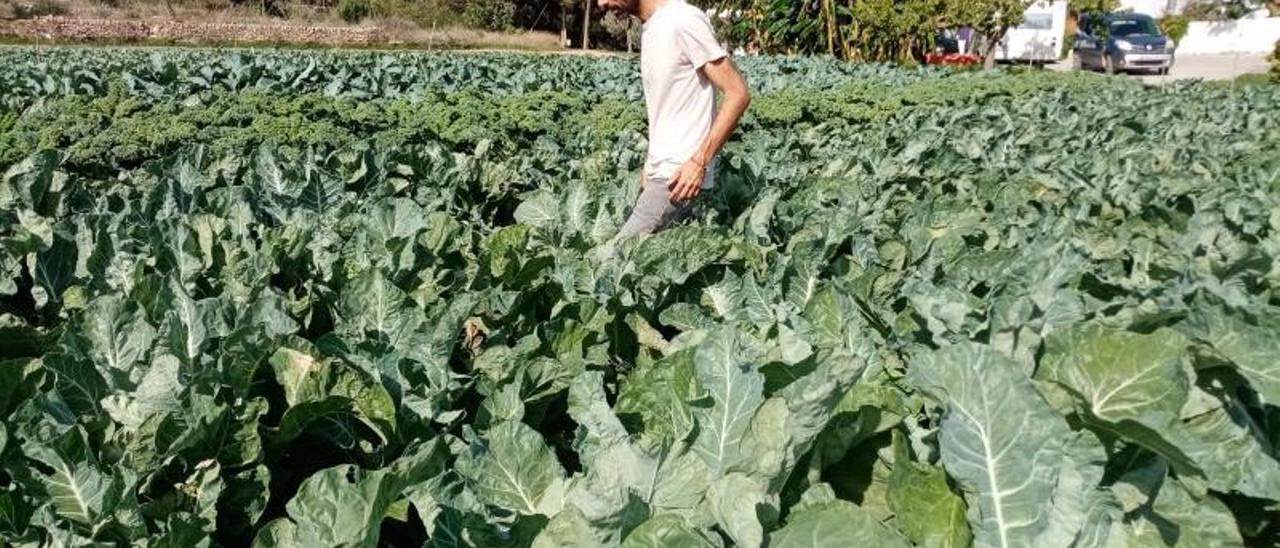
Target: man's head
column 624, row 7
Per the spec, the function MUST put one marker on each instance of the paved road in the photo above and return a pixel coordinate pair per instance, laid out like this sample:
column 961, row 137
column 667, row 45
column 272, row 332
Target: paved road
column 1207, row 67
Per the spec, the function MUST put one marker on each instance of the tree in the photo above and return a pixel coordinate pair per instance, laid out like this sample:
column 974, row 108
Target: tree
column 1275, row 64
column 1092, row 6
column 990, row 18
column 857, row 30
column 1220, row 10
column 622, row 28
column 586, row 24
column 566, row 15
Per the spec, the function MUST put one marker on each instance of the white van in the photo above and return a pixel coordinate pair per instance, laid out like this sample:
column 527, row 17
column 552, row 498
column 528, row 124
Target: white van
column 1039, row 38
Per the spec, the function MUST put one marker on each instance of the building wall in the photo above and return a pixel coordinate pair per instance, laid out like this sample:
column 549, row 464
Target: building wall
column 1243, row 36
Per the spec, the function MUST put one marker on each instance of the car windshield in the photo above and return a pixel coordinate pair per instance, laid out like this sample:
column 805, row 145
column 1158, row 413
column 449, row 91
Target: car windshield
column 1133, row 27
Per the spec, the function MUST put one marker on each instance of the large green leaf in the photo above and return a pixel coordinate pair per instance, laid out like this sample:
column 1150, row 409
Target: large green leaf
column 344, row 506
column 598, row 427
column 30, row 182
column 1251, row 348
column 786, row 425
column 742, row 508
column 1177, row 517
column 317, row 387
column 1223, row 442
column 118, row 332
column 657, row 396
column 834, row 524
column 665, row 530
column 371, row 303
column 76, row 486
column 924, row 507
column 54, row 269
column 1129, row 384
column 190, row 324
column 999, row 440
column 735, row 390
column 511, row 467
column 1077, row 493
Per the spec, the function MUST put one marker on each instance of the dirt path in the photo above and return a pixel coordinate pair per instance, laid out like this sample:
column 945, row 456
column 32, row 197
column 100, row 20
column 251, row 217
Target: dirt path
column 1203, row 67
column 1213, row 67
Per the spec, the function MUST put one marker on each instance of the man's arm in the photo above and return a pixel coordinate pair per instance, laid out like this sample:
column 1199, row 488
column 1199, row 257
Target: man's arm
column 686, row 183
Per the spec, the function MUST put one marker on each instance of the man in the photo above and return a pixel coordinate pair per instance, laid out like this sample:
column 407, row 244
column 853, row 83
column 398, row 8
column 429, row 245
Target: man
column 682, row 67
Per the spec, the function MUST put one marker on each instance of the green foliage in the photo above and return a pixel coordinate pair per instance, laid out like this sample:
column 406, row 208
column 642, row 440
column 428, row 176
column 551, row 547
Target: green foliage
column 353, row 11
column 623, row 29
column 426, row 14
column 37, row 8
column 863, row 31
column 883, row 30
column 1250, row 79
column 489, row 14
column 876, row 30
column 1175, row 26
column 1275, row 63
column 268, row 299
column 991, row 19
column 1219, row 10
column 1093, row 6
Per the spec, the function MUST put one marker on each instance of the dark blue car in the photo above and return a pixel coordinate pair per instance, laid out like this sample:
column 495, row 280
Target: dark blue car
column 1116, row 42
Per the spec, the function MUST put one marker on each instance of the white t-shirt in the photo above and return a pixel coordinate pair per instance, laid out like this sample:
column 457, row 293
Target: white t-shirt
column 677, row 41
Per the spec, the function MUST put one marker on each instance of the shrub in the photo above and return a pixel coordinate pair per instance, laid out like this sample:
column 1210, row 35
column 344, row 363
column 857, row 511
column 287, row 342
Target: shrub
column 352, row 11
column 38, row 8
column 489, row 14
column 1217, row 10
column 1251, row 79
column 1175, row 26
column 1275, row 64
column 425, row 13
column 1091, row 6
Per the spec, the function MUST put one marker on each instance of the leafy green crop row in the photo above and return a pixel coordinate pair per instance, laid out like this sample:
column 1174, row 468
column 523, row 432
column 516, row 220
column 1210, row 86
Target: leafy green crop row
column 1006, row 310
column 119, row 130
column 32, row 74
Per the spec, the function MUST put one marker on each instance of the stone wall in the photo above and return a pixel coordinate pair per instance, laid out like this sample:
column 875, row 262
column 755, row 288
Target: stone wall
column 69, row 29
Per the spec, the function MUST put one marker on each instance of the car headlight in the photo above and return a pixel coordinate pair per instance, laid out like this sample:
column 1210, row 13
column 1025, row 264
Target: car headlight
column 1124, row 45
column 1170, row 44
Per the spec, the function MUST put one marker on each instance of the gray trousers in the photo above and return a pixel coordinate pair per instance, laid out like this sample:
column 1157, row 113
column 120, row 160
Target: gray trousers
column 653, row 210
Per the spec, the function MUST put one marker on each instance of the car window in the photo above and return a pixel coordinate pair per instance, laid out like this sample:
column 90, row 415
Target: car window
column 1133, row 27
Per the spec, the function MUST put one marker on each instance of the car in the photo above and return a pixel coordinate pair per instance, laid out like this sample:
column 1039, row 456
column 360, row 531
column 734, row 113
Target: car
column 1121, row 42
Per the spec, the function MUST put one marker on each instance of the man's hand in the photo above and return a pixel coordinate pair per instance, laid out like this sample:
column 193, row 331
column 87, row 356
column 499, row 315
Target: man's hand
column 686, row 182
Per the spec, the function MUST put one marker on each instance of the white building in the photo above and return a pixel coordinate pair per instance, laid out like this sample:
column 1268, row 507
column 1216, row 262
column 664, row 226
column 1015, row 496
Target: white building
column 1154, row 8
column 1256, row 33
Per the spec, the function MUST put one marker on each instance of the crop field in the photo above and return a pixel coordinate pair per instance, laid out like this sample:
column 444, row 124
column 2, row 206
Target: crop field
column 374, row 299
